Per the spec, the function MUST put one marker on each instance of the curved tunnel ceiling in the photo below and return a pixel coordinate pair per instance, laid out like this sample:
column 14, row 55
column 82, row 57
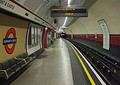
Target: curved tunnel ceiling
column 42, row 8
column 77, row 3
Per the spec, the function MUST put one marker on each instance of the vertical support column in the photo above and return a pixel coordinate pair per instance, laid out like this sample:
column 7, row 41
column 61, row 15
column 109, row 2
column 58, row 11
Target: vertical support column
column 45, row 38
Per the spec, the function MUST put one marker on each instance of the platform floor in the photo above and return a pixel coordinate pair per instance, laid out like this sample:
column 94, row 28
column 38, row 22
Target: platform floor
column 56, row 66
column 50, row 68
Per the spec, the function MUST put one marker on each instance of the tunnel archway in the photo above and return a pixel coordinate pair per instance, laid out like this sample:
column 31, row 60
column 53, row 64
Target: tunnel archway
column 106, row 35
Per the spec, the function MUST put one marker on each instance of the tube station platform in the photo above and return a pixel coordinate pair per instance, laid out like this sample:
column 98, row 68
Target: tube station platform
column 60, row 64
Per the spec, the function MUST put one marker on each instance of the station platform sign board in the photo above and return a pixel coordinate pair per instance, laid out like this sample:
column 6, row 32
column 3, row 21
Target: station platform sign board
column 58, row 11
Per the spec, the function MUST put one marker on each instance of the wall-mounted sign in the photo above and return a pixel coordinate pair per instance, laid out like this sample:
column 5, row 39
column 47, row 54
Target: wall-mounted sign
column 69, row 12
column 12, row 7
column 10, row 40
column 7, row 4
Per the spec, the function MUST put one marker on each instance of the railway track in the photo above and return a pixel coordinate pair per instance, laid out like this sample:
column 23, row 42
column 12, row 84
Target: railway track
column 106, row 65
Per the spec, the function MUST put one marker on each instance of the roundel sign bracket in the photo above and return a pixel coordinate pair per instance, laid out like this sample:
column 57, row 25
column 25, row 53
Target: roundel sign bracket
column 10, row 40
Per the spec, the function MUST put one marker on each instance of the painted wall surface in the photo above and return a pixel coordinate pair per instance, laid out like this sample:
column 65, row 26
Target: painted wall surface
column 20, row 26
column 109, row 10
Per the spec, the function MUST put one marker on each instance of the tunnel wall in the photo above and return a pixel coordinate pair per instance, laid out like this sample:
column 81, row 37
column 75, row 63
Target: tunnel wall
column 11, row 28
column 87, row 28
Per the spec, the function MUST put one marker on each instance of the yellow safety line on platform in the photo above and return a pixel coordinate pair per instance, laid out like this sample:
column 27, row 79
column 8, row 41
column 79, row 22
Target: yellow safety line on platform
column 84, row 67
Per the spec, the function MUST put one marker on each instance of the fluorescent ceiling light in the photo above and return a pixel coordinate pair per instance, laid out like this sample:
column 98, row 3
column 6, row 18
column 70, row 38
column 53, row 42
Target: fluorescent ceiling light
column 69, row 1
column 65, row 22
column 66, row 18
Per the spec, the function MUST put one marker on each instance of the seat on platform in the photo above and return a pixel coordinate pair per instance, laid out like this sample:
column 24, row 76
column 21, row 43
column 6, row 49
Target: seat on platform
column 27, row 59
column 11, row 66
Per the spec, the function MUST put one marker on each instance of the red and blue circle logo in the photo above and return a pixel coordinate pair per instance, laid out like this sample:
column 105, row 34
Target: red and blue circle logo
column 10, row 40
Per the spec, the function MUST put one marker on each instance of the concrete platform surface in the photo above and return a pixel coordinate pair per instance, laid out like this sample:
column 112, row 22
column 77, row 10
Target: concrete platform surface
column 53, row 67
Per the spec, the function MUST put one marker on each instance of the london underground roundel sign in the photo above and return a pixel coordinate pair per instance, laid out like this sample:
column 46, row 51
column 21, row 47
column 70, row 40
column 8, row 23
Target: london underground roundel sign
column 10, row 40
